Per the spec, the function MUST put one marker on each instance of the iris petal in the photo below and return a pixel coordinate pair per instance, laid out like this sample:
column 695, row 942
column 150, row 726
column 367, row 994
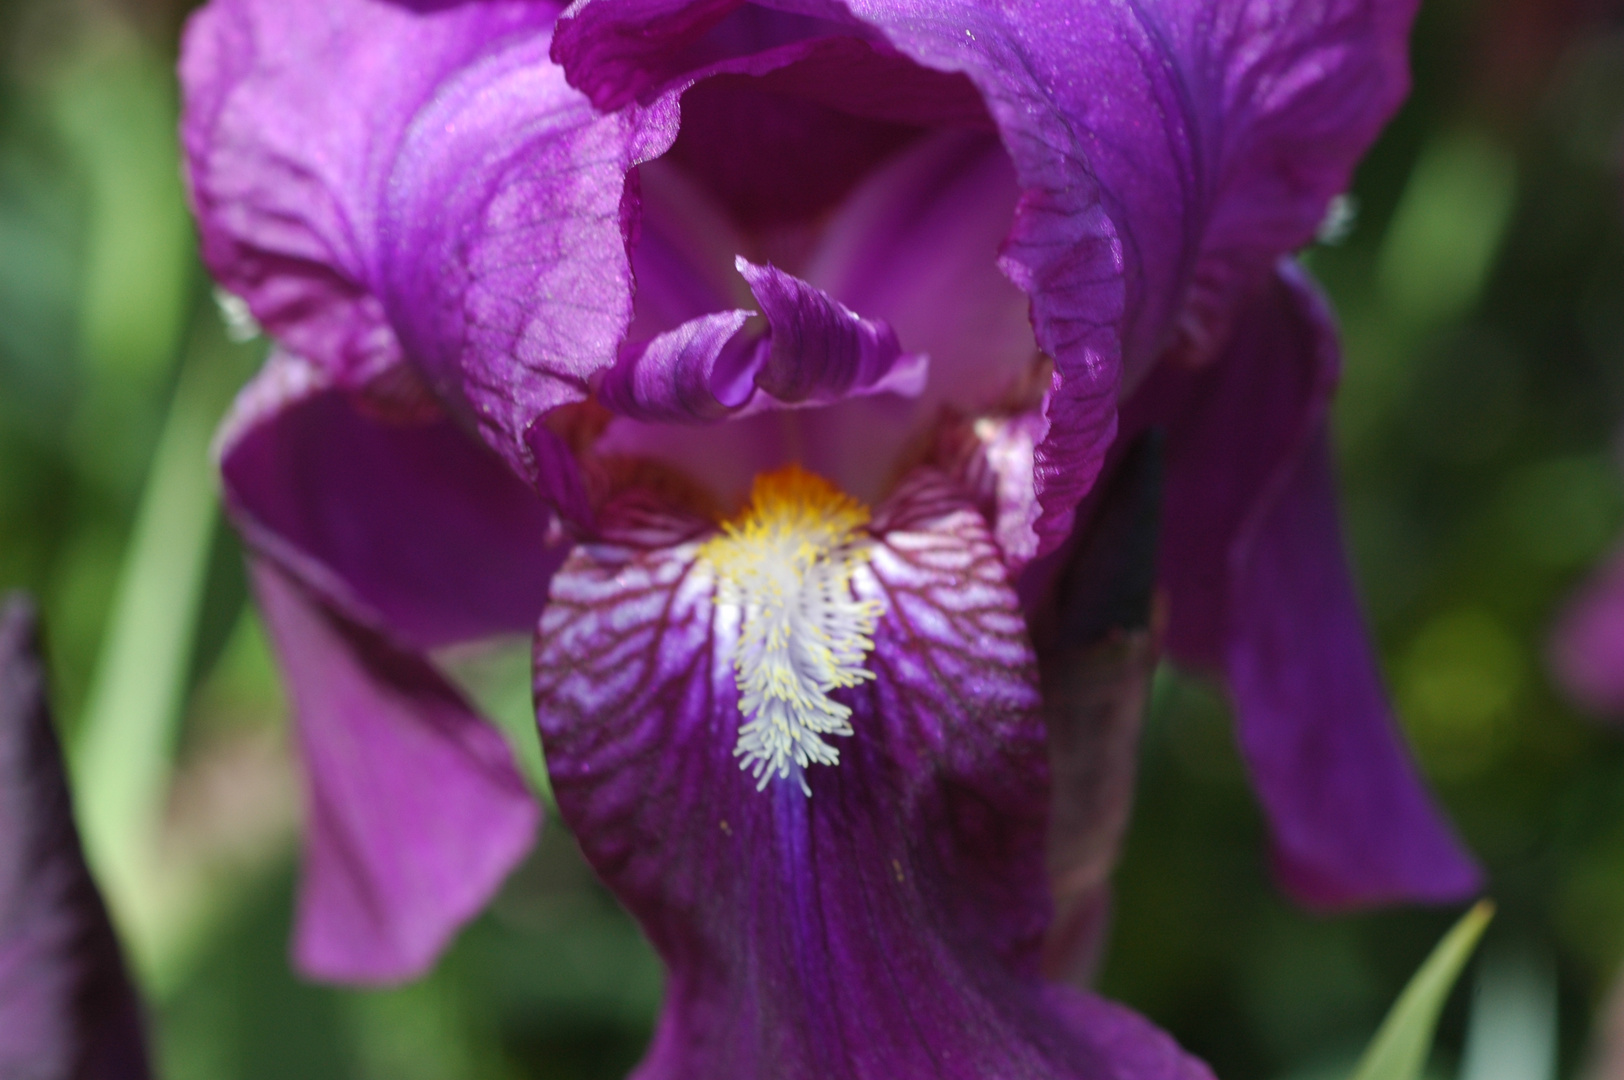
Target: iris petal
column 457, row 206
column 415, row 809
column 815, row 351
column 66, row 1005
column 401, row 521
column 285, row 173
column 1167, row 152
column 1259, row 587
column 383, row 531
column 889, row 923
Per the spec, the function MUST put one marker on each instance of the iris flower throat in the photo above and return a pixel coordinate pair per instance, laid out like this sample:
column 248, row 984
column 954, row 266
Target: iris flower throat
column 786, row 563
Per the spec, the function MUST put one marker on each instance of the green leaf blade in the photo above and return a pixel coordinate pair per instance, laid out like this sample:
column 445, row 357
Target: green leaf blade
column 1399, row 1050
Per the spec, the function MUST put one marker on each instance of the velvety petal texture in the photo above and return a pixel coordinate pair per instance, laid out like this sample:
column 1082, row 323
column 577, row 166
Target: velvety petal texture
column 441, row 208
column 888, row 923
column 415, row 810
column 67, row 1010
column 1259, row 587
column 287, row 175
column 383, row 531
column 388, row 510
column 453, row 213
column 1587, row 650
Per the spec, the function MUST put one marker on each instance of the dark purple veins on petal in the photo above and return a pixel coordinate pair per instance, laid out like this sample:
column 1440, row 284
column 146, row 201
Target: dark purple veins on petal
column 890, row 924
column 67, row 1010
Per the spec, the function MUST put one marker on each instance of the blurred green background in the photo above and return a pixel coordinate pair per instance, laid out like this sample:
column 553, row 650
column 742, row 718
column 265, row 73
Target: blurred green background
column 1479, row 272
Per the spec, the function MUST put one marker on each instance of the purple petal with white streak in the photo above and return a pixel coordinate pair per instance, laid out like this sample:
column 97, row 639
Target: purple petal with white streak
column 889, row 924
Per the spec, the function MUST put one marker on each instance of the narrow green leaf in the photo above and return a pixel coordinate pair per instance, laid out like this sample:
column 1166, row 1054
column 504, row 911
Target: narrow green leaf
column 126, row 736
column 1399, row 1050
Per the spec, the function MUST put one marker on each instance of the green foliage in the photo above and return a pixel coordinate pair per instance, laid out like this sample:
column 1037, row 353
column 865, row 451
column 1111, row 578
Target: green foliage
column 1399, row 1050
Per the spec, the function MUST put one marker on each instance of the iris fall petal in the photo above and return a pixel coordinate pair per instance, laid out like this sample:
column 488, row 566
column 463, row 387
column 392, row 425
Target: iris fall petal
column 889, row 922
column 1259, row 587
column 415, row 809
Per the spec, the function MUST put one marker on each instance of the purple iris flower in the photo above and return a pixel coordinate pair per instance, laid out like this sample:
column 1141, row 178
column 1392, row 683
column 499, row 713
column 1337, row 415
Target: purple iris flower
column 765, row 353
column 67, row 1010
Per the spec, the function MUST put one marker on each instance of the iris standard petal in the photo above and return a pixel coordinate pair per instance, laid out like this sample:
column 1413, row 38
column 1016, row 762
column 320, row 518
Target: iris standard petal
column 885, row 922
column 1259, row 587
column 508, row 219
column 626, row 52
column 415, row 811
column 67, row 1010
column 1167, row 152
column 286, row 172
column 457, row 205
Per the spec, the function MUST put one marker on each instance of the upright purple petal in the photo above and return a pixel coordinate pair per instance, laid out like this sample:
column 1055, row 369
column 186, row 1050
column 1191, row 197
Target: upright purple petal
column 286, row 170
column 1228, row 125
column 67, row 1011
column 1167, row 152
column 1587, row 650
column 1258, row 585
column 415, row 811
column 455, row 205
column 505, row 260
column 628, row 52
column 888, row 923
